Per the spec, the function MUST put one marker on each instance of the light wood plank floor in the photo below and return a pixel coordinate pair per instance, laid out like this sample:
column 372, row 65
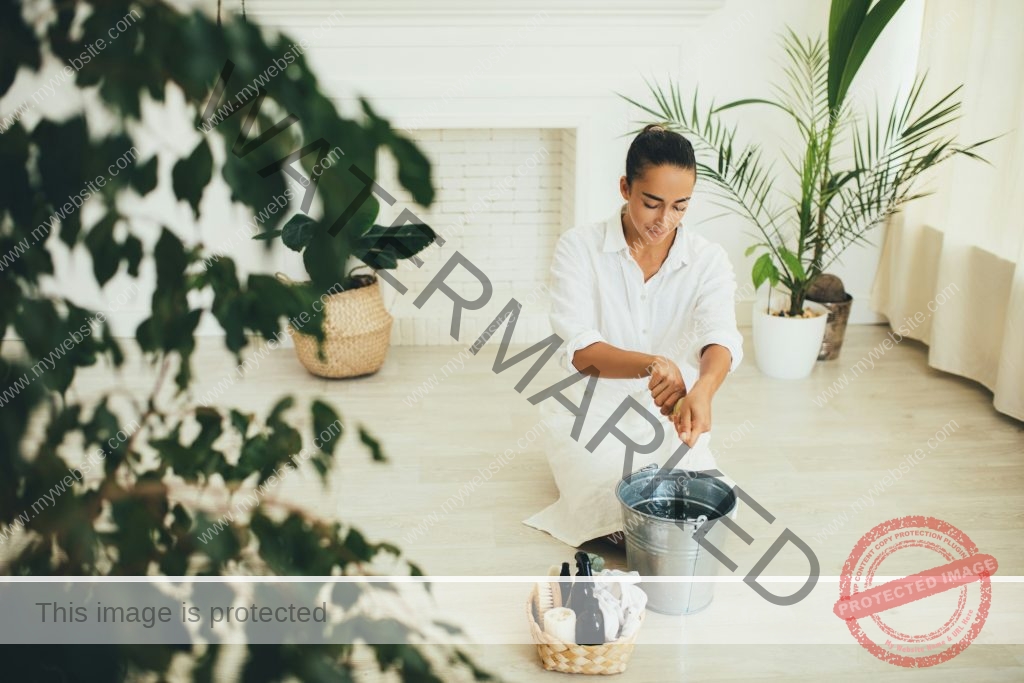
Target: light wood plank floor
column 807, row 464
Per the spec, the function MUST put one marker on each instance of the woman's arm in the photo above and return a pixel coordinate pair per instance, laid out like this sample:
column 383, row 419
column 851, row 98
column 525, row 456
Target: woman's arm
column 604, row 360
column 693, row 416
column 715, row 361
column 611, row 362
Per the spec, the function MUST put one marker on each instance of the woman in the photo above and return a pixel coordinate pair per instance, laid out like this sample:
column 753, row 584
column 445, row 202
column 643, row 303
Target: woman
column 648, row 307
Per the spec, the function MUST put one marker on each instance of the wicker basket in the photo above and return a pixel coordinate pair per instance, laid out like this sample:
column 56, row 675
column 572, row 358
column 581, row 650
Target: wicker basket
column 357, row 334
column 608, row 658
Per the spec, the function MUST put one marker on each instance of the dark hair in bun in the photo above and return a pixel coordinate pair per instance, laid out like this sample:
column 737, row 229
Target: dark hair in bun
column 656, row 145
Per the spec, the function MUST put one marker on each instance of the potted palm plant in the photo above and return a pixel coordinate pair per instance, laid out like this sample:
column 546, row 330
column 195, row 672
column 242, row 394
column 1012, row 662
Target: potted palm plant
column 356, row 324
column 851, row 171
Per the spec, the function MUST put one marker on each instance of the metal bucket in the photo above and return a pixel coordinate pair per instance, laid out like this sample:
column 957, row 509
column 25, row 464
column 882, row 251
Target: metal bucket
column 659, row 518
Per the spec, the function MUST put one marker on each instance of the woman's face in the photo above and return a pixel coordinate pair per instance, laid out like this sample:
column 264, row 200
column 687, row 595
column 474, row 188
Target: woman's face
column 657, row 200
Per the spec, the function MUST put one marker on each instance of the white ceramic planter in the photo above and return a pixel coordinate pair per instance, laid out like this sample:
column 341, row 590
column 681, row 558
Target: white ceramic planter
column 787, row 348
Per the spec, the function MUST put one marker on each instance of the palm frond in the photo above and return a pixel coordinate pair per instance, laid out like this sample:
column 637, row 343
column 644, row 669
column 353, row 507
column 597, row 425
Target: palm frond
column 839, row 199
column 889, row 155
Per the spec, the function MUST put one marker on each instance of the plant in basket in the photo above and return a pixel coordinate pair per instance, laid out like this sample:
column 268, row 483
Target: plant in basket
column 356, row 324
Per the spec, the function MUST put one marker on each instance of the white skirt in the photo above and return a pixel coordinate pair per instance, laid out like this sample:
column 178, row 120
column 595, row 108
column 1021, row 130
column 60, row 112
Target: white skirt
column 587, row 507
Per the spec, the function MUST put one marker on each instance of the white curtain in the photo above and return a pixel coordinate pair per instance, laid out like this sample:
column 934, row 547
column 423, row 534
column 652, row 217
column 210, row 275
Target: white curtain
column 956, row 258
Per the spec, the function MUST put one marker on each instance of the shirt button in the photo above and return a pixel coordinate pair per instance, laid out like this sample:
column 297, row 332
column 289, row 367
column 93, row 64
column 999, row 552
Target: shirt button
column 643, row 297
column 645, row 330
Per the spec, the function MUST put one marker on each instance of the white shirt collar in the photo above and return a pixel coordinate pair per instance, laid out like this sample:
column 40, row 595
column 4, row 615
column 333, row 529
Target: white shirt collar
column 615, row 240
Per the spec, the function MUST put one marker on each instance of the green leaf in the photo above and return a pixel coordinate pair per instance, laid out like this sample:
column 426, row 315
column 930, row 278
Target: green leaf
column 267, row 197
column 298, row 232
column 413, row 170
column 751, row 249
column 292, row 547
column 222, row 547
column 745, row 102
column 367, row 440
column 144, row 177
column 327, row 427
column 182, row 520
column 172, row 323
column 870, row 28
column 103, row 248
column 171, row 260
column 229, row 302
column 413, row 165
column 478, row 673
column 267, row 301
column 761, row 270
column 131, row 251
column 57, row 343
column 792, row 263
column 324, row 259
column 268, row 235
column 192, row 174
column 14, row 421
column 63, row 175
column 240, row 421
column 16, row 194
column 844, row 21
column 382, row 246
column 279, row 409
column 356, row 543
column 116, row 355
column 21, row 48
column 210, row 428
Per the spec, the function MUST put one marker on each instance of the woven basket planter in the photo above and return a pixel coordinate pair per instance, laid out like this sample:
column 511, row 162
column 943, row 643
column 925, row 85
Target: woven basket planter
column 357, row 334
column 570, row 658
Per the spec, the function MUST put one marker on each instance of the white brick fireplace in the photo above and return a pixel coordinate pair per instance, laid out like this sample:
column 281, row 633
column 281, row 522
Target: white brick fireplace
column 503, row 197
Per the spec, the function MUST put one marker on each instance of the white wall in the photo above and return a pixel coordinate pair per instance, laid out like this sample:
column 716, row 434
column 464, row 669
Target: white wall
column 556, row 64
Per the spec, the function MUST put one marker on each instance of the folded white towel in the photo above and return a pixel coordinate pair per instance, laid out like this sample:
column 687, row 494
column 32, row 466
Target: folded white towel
column 622, row 600
column 612, row 611
column 625, row 596
column 632, row 577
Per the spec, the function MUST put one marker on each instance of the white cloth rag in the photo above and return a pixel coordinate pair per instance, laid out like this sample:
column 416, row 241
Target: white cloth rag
column 622, row 601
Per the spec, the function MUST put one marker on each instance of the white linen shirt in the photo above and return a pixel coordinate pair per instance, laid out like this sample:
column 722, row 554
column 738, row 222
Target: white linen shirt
column 598, row 294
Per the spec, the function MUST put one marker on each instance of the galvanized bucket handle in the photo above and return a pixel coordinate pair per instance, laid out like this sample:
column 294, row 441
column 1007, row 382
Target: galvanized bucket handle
column 698, row 522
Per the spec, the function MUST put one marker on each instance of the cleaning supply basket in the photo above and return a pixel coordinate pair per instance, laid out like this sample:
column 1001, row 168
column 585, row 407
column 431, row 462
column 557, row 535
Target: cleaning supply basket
column 607, row 658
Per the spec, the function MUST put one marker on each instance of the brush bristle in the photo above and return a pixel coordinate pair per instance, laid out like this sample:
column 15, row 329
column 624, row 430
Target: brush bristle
column 545, row 598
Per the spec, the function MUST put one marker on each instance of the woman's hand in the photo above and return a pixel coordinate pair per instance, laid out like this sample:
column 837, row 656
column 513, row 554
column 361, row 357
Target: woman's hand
column 692, row 414
column 667, row 385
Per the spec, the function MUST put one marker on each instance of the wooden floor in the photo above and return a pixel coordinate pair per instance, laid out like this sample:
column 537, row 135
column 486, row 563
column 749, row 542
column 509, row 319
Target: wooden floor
column 805, row 461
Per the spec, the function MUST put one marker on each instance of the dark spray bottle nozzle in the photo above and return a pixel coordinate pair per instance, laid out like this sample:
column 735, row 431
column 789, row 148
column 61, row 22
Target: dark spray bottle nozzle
column 583, row 567
column 566, row 586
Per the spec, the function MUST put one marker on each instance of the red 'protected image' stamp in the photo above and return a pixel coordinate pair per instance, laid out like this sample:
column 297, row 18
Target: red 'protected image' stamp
column 925, row 618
